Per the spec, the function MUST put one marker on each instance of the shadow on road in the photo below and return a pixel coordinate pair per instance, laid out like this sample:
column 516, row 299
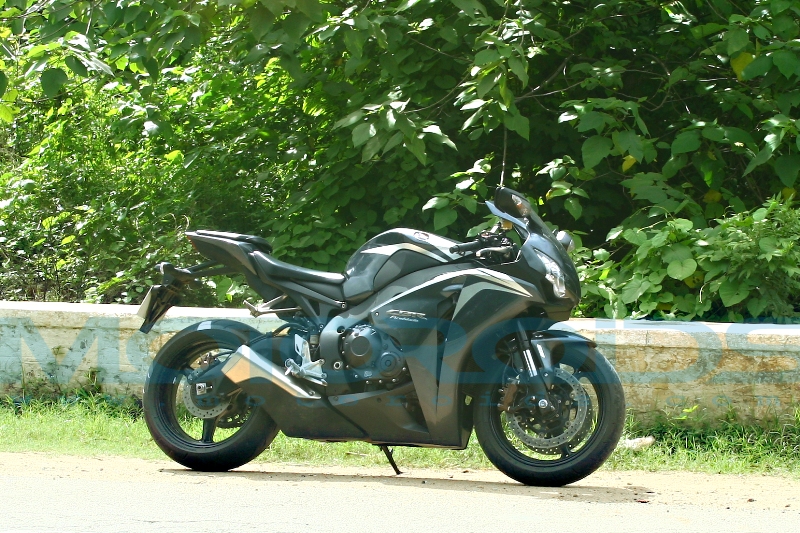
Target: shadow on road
column 582, row 491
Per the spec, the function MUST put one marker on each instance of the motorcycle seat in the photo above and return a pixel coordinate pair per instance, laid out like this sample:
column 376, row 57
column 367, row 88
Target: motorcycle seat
column 278, row 269
column 259, row 242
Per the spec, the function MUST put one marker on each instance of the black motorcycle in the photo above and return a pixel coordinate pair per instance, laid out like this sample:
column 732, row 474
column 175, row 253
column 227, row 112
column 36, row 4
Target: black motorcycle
column 421, row 340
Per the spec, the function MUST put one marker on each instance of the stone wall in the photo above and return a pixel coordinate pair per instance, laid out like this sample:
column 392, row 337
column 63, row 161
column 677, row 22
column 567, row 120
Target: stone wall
column 664, row 366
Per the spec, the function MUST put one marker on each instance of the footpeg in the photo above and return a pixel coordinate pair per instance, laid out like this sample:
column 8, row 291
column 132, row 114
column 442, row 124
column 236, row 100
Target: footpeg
column 307, row 369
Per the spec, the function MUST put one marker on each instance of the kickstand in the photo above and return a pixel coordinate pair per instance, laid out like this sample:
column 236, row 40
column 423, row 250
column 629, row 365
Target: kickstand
column 389, row 455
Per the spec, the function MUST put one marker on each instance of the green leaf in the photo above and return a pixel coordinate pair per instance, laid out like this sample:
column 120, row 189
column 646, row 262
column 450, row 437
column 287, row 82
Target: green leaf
column 417, row 147
column 756, row 306
column 444, row 217
column 687, row 141
column 445, row 82
column 295, row 25
column 614, row 233
column 396, row 139
column 633, row 290
column 758, row 67
column 372, row 147
column 681, row 269
column 738, row 135
column 594, row 150
column 787, row 167
column 704, row 30
column 321, row 257
column 349, row 120
column 486, row 56
column 573, row 206
column 778, row 6
column 635, row 236
column 6, row 114
column 762, row 157
column 437, row 202
column 518, row 123
column 768, row 245
column 592, row 121
column 628, row 141
column 3, row 83
column 312, row 8
column 173, row 155
column 519, row 68
column 152, row 68
column 681, row 224
column 407, row 4
column 674, row 165
column 470, row 7
column 362, row 133
column 786, row 61
column 256, row 53
column 736, row 40
column 52, row 80
column 733, row 292
column 76, row 66
column 676, row 252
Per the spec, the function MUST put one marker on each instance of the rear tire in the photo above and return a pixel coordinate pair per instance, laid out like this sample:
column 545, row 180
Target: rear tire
column 534, row 453
column 227, row 440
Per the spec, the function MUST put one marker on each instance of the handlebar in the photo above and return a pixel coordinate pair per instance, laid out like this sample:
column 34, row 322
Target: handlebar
column 467, row 247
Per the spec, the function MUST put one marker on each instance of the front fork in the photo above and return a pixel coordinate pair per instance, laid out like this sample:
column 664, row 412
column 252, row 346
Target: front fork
column 535, row 365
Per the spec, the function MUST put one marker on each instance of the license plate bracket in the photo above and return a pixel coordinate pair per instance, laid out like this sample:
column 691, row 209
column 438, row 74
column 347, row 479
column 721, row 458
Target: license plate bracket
column 156, row 304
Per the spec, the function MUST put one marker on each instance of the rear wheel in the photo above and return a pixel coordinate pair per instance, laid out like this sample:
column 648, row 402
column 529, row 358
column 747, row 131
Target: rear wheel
column 562, row 442
column 192, row 426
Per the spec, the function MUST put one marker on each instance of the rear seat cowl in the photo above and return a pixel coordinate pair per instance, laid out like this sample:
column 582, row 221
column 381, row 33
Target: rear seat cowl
column 259, row 242
column 278, row 269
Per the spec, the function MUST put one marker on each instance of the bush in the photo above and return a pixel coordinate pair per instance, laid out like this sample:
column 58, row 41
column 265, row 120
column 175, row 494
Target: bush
column 745, row 266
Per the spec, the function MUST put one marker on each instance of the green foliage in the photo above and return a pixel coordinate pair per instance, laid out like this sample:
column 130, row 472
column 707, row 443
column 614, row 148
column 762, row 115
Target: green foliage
column 745, row 266
column 320, row 123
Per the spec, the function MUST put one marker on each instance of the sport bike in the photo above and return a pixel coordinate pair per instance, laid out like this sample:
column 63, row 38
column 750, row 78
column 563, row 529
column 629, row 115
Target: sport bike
column 421, row 340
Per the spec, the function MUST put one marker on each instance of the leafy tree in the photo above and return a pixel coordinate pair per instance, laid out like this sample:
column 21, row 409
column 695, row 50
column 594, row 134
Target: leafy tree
column 329, row 122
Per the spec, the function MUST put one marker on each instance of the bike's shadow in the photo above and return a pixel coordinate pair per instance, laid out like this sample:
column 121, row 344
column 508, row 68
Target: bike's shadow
column 586, row 490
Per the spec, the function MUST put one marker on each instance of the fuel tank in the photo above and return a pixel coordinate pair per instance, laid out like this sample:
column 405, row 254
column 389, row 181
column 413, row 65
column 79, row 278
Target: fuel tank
column 391, row 255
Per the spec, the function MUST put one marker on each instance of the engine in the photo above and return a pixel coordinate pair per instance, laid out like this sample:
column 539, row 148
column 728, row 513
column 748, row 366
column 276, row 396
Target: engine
column 372, row 356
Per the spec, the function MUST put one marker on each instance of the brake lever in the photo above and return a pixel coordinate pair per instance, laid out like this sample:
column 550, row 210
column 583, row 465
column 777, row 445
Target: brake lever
column 505, row 250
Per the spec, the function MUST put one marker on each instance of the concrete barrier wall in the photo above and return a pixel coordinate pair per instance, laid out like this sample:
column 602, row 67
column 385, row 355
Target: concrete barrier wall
column 664, row 366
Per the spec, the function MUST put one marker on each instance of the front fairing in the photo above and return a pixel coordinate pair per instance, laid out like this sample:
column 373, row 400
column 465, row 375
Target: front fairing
column 538, row 237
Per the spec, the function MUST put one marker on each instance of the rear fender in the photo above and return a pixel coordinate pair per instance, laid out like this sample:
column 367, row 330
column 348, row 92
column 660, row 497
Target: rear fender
column 160, row 298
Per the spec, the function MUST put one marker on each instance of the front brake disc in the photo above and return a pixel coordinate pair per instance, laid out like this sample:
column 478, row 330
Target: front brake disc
column 579, row 402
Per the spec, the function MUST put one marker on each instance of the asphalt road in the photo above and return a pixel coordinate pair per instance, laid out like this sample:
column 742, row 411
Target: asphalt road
column 48, row 493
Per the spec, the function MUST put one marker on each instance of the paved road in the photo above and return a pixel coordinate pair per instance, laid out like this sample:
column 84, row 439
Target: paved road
column 46, row 493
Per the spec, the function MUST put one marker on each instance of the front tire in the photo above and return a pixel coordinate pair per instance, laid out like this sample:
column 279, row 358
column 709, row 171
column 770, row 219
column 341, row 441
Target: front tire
column 199, row 436
column 555, row 452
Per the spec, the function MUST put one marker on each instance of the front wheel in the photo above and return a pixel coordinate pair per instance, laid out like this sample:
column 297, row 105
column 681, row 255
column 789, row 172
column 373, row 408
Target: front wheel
column 565, row 441
column 203, row 431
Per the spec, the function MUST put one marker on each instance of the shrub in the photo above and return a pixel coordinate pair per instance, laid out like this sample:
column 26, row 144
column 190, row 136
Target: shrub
column 744, row 266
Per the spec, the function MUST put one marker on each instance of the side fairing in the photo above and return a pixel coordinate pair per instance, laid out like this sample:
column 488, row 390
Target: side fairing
column 436, row 324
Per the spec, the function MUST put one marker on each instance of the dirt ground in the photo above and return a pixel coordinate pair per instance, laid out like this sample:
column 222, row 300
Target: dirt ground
column 45, row 492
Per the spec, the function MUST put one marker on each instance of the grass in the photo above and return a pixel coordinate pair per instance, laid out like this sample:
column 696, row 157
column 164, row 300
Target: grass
column 96, row 424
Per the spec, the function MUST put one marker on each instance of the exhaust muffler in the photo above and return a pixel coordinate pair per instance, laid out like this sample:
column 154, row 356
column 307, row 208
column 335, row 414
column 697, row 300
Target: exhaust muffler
column 245, row 365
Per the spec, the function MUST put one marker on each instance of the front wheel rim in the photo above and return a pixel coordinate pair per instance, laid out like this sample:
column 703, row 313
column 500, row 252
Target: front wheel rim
column 552, row 445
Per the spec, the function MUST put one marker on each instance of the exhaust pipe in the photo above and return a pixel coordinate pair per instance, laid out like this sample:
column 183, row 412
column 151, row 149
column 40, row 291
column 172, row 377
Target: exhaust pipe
column 245, row 365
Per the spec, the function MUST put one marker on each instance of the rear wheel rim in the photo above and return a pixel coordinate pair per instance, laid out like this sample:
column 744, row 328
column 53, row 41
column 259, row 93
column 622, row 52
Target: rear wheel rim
column 190, row 421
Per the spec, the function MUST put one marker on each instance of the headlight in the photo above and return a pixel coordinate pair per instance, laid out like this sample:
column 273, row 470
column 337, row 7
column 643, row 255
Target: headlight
column 554, row 275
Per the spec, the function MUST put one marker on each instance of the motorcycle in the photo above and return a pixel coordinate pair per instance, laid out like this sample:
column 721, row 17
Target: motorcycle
column 420, row 341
